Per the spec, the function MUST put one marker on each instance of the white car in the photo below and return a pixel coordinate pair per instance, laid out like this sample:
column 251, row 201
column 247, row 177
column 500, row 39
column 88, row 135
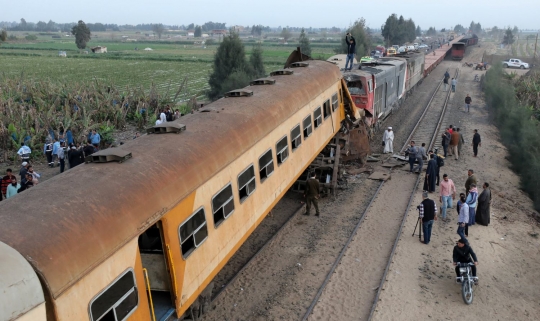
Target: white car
column 515, row 63
column 411, row 48
column 423, row 46
column 402, row 49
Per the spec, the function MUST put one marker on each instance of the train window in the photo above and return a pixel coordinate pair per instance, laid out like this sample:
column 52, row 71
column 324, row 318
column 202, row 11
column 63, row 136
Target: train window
column 327, row 109
column 266, row 165
column 370, row 86
column 246, row 183
column 118, row 301
column 317, row 117
column 193, row 232
column 282, row 150
column 334, row 102
column 222, row 205
column 296, row 138
column 355, row 88
column 306, row 123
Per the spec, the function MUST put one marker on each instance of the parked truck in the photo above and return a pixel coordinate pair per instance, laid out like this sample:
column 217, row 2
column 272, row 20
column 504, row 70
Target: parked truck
column 515, row 63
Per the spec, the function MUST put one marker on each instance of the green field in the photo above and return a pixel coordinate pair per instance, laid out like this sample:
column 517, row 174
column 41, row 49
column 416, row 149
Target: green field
column 167, row 63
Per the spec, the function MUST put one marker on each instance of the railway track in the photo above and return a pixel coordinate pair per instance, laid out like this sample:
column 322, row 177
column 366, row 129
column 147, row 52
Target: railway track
column 426, row 130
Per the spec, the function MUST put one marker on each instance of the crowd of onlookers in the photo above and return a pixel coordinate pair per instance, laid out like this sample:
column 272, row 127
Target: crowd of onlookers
column 57, row 151
column 167, row 114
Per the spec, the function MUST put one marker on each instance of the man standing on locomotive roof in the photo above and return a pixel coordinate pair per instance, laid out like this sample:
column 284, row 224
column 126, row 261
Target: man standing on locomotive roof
column 312, row 194
column 351, row 50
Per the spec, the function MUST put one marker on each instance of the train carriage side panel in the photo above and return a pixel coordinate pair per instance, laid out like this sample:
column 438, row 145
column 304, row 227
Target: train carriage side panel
column 224, row 239
column 86, row 298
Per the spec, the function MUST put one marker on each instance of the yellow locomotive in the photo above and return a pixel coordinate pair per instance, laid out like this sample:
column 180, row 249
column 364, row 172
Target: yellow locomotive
column 142, row 239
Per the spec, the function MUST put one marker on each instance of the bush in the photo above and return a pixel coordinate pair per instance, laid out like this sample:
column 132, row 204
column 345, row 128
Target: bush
column 519, row 130
column 31, row 37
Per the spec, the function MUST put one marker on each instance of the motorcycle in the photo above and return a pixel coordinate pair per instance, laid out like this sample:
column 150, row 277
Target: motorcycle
column 467, row 281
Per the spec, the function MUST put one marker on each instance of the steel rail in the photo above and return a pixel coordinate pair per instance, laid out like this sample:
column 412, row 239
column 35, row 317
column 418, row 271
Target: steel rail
column 411, row 198
column 222, row 289
column 340, row 256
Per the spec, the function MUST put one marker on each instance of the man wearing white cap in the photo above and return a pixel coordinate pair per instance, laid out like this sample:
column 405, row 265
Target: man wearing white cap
column 388, row 141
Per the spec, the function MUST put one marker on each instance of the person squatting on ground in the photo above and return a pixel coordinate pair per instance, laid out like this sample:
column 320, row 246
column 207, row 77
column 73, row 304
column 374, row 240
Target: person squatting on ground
column 427, row 212
column 312, row 194
column 454, row 142
column 484, row 204
column 468, row 101
column 447, row 194
column 472, row 200
column 388, row 141
column 431, row 175
column 463, row 253
column 463, row 217
column 411, row 153
column 476, row 141
column 351, row 50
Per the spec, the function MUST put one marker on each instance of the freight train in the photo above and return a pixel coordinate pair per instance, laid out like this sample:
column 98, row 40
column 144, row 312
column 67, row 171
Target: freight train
column 141, row 239
column 458, row 48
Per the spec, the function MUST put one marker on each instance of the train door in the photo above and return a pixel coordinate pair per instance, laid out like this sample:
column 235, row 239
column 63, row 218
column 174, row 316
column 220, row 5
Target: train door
column 156, row 262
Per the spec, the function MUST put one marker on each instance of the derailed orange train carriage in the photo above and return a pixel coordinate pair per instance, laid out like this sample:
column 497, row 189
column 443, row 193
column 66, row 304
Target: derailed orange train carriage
column 142, row 239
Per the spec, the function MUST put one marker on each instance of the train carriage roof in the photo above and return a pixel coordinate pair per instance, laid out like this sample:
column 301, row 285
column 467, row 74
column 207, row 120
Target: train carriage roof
column 72, row 222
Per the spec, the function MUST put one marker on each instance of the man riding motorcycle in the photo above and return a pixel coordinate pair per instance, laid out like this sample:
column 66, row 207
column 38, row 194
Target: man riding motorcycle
column 463, row 253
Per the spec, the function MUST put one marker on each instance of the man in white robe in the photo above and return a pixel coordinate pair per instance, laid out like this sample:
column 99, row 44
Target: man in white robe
column 388, row 140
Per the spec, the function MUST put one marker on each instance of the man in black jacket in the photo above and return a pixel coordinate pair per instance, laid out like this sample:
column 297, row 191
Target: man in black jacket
column 351, row 50
column 428, row 213
column 476, row 141
column 463, row 253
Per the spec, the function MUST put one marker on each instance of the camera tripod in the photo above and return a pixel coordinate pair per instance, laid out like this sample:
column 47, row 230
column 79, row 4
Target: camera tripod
column 419, row 222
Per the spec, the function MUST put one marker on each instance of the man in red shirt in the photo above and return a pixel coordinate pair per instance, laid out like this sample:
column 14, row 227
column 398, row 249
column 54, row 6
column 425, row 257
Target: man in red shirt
column 447, row 194
column 6, row 180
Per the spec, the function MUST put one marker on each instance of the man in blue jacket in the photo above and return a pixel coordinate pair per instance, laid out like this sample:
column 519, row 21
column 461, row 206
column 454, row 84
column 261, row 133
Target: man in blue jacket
column 95, row 138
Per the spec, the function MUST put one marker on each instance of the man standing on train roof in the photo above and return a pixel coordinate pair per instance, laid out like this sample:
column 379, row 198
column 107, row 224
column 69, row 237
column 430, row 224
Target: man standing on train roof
column 388, row 141
column 351, row 50
column 312, row 194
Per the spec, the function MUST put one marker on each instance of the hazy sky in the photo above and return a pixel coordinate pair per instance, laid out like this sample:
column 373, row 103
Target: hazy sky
column 299, row 13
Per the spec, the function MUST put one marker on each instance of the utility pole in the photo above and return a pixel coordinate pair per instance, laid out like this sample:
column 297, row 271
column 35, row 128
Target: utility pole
column 535, row 44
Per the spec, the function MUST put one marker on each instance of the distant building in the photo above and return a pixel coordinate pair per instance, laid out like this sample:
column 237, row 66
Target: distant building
column 218, row 32
column 99, row 49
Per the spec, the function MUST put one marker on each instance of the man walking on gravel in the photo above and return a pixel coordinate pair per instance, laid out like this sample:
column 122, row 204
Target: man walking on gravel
column 471, row 179
column 445, row 82
column 461, row 141
column 447, row 194
column 454, row 83
column 428, row 213
column 454, row 142
column 468, row 101
column 463, row 218
column 312, row 194
column 476, row 141
column 388, row 141
column 445, row 141
column 411, row 152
